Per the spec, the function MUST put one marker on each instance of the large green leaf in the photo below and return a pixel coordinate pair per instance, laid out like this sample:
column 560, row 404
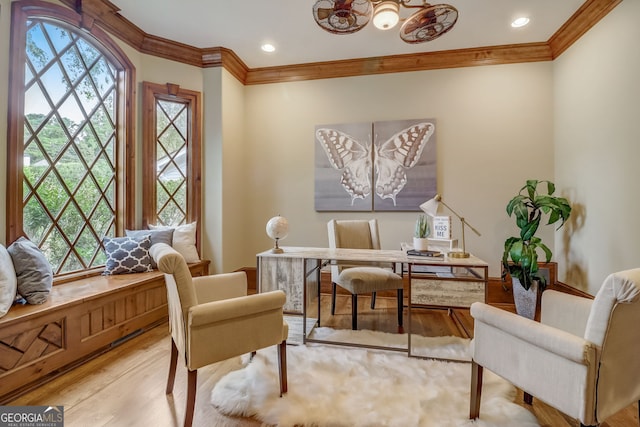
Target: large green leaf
column 516, row 203
column 515, row 251
column 551, row 188
column 529, row 229
column 531, row 188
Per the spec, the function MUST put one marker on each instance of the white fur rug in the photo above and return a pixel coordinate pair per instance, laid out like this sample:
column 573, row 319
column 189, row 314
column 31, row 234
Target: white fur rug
column 345, row 386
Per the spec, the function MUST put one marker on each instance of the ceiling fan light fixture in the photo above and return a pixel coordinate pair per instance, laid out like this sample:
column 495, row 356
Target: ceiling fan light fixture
column 348, row 16
column 386, row 15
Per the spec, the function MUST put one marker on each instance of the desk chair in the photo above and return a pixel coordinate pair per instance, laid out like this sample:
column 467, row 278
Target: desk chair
column 360, row 278
column 582, row 358
column 212, row 319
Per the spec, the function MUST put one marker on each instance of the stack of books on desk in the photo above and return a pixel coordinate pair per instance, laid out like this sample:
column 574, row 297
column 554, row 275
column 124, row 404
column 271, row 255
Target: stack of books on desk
column 426, row 254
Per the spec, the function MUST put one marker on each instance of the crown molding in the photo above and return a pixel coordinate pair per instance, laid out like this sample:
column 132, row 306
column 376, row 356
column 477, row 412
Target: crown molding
column 493, row 55
column 223, row 57
column 588, row 15
column 106, row 14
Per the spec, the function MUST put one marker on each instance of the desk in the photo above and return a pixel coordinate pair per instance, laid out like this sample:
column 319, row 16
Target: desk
column 296, row 271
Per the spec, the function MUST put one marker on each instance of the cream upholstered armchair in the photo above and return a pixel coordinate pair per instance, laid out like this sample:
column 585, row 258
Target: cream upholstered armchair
column 361, row 279
column 583, row 358
column 212, row 319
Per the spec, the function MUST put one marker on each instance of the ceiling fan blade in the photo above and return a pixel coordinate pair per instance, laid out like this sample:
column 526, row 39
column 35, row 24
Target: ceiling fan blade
column 429, row 23
column 342, row 16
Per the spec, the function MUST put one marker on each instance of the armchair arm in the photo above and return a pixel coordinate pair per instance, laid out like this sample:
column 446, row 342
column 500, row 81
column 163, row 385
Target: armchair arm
column 219, row 330
column 554, row 365
column 241, row 307
column 218, row 287
column 564, row 311
column 553, row 340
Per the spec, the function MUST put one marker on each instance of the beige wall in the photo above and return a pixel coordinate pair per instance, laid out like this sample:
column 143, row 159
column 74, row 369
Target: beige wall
column 597, row 149
column 225, row 196
column 494, row 131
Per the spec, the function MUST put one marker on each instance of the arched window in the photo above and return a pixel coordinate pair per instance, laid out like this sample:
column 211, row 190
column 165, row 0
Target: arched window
column 69, row 174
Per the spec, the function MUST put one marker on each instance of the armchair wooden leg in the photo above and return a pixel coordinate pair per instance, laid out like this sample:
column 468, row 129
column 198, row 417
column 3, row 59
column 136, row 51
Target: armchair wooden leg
column 282, row 366
column 400, row 306
column 373, row 300
column 476, row 390
column 192, row 387
column 333, row 298
column 354, row 312
column 528, row 399
column 172, row 368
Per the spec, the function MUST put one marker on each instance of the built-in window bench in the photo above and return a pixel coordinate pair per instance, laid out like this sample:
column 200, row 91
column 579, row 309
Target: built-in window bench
column 80, row 319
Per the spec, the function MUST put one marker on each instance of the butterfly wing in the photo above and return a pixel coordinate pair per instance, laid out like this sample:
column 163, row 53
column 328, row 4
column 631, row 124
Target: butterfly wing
column 401, row 152
column 351, row 157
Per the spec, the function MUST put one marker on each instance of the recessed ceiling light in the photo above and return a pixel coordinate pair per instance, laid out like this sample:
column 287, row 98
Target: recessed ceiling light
column 520, row 22
column 268, row 47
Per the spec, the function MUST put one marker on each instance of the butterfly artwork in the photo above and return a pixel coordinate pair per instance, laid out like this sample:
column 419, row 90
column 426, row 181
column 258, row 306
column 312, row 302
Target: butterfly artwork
column 375, row 166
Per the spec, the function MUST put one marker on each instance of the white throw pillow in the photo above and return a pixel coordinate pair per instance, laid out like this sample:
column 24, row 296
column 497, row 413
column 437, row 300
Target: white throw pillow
column 8, row 281
column 184, row 240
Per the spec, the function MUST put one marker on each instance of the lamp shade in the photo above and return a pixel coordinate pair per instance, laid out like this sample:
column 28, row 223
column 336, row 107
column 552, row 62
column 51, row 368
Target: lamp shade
column 430, row 207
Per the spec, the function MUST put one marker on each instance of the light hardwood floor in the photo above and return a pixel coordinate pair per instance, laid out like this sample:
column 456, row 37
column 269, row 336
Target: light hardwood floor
column 125, row 386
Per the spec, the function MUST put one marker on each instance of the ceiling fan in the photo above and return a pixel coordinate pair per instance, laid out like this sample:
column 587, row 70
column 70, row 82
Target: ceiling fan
column 349, row 16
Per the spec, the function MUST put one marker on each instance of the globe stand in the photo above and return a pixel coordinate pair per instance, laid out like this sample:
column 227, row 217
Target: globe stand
column 277, row 249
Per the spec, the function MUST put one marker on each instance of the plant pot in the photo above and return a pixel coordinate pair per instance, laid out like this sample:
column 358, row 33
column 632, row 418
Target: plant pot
column 526, row 300
column 420, row 243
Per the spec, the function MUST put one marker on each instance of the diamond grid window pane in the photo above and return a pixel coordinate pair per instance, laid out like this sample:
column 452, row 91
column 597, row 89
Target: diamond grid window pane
column 36, row 222
column 87, row 246
column 56, row 249
column 70, row 163
column 39, row 53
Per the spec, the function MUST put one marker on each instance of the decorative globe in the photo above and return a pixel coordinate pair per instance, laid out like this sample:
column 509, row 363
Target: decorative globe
column 277, row 229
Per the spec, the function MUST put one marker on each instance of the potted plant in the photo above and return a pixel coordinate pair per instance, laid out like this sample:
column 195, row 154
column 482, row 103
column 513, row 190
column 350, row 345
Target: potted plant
column 520, row 256
column 422, row 231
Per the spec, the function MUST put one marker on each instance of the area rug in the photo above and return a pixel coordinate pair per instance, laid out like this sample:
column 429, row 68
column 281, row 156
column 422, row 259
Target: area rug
column 346, row 386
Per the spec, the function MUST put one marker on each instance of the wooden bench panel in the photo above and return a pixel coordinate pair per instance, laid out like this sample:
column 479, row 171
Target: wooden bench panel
column 79, row 319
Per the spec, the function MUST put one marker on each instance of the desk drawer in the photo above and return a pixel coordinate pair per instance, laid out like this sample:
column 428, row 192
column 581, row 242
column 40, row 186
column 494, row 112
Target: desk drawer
column 446, row 293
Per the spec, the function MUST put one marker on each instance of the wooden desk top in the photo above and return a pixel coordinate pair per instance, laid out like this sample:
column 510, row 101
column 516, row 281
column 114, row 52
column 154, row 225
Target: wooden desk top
column 371, row 255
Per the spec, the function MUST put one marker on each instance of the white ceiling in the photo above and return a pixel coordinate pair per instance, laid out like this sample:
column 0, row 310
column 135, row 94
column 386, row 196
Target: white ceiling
column 243, row 26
